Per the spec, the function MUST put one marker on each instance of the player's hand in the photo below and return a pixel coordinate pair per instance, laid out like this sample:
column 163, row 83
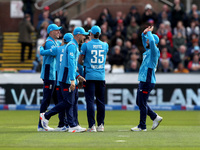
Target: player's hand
column 43, row 44
column 81, row 79
column 72, row 87
column 151, row 28
column 146, row 30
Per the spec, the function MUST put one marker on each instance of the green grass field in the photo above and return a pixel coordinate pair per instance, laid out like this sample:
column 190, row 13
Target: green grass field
column 178, row 130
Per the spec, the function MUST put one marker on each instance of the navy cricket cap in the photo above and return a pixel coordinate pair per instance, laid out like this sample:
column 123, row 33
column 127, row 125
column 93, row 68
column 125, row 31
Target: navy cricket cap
column 80, row 30
column 68, row 37
column 52, row 27
column 95, row 29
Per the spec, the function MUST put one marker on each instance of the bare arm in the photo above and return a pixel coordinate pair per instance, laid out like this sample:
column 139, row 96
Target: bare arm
column 80, row 59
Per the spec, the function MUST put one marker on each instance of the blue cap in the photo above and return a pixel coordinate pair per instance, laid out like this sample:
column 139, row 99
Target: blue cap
column 95, row 29
column 156, row 38
column 52, row 27
column 68, row 37
column 196, row 48
column 80, row 30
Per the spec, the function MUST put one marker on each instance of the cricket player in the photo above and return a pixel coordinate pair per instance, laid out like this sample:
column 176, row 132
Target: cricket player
column 147, row 79
column 48, row 73
column 58, row 53
column 67, row 78
column 93, row 53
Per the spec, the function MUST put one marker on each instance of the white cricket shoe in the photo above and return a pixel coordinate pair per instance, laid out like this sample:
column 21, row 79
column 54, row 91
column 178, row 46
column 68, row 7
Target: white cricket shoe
column 156, row 122
column 45, row 123
column 137, row 129
column 76, row 129
column 40, row 129
column 92, row 129
column 61, row 129
column 100, row 128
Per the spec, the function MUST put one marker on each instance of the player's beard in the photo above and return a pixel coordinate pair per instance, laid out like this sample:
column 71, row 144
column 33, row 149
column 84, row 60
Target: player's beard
column 81, row 40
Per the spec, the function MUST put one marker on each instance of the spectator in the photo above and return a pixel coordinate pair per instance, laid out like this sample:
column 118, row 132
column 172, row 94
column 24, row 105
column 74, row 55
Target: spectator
column 108, row 16
column 119, row 16
column 105, row 30
column 120, row 26
column 195, row 51
column 149, row 14
column 101, row 19
column 178, row 40
column 114, row 38
column 63, row 19
column 195, row 17
column 133, row 13
column 58, row 23
column 165, row 53
column 88, row 24
column 116, row 60
column 37, row 63
column 46, row 10
column 181, row 69
column 177, row 13
column 119, row 43
column 191, row 45
column 28, row 8
column 180, row 28
column 133, row 64
column 132, row 28
column 192, row 29
column 151, row 22
column 104, row 38
column 194, row 64
column 134, row 39
column 192, row 11
column 163, row 43
column 164, row 15
column 133, row 50
column 170, row 35
column 25, row 30
column 180, row 56
column 45, row 18
column 165, row 66
column 43, row 30
column 165, row 33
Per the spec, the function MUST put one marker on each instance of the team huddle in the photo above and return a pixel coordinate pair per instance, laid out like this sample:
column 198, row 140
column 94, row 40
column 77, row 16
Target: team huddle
column 66, row 69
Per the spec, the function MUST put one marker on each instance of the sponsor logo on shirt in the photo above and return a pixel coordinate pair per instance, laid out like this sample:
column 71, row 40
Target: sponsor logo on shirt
column 71, row 54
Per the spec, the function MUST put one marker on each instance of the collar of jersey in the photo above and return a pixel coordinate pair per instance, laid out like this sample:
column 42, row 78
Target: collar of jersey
column 75, row 42
column 95, row 40
column 52, row 40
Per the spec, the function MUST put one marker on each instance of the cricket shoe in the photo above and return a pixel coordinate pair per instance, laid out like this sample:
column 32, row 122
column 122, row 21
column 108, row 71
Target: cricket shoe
column 61, row 129
column 137, row 129
column 41, row 129
column 45, row 123
column 100, row 128
column 76, row 129
column 92, row 129
column 156, row 122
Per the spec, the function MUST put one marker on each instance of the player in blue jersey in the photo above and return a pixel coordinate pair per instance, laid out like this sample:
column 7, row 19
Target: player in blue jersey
column 147, row 79
column 93, row 53
column 58, row 53
column 67, row 78
column 48, row 73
